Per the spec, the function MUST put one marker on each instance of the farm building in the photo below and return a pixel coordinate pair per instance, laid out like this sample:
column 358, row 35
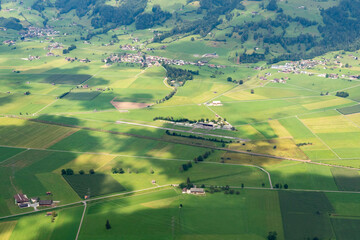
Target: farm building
column 21, row 199
column 194, row 191
column 215, row 103
column 45, row 202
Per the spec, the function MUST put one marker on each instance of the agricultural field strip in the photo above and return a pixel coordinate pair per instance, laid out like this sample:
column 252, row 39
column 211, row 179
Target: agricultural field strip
column 87, row 200
column 291, row 116
column 346, row 88
column 13, row 156
column 81, row 221
column 273, row 99
column 355, row 124
column 223, row 93
column 163, row 186
column 94, row 75
column 319, row 138
column 34, row 114
column 164, row 159
column 184, row 131
column 172, row 141
column 216, row 114
column 304, row 88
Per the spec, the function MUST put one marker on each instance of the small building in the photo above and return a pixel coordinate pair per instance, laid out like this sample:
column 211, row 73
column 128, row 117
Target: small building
column 45, row 202
column 21, row 198
column 194, row 191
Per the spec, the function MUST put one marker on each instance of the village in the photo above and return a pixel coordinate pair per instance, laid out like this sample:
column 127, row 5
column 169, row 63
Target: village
column 148, row 60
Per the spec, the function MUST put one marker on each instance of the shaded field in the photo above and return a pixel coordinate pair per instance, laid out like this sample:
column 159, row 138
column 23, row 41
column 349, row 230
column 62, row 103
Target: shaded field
column 350, row 110
column 308, row 210
column 346, row 228
column 82, row 96
column 159, row 217
column 93, row 185
column 72, row 79
column 346, row 180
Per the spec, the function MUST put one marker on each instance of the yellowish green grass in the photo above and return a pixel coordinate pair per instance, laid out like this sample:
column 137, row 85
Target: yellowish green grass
column 279, row 129
column 6, row 229
column 331, row 124
column 276, row 147
column 328, row 103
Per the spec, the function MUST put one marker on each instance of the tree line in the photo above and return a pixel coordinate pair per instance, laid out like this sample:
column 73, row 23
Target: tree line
column 196, row 137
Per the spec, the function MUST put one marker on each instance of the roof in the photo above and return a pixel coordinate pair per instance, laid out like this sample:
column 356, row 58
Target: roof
column 200, row 190
column 45, row 202
column 21, row 198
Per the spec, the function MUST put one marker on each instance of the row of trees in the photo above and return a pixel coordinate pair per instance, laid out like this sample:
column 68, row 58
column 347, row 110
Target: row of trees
column 196, row 137
column 167, row 97
column 342, row 94
column 176, row 120
column 186, row 166
column 202, row 157
column 70, row 171
column 69, row 49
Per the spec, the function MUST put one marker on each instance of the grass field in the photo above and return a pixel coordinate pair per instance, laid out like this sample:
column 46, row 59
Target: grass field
column 311, row 210
column 93, row 185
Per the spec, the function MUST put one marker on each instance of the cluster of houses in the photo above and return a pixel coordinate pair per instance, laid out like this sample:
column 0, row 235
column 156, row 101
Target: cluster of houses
column 71, row 59
column 215, row 103
column 9, row 42
column 128, row 47
column 24, row 202
column 31, row 58
column 55, row 45
column 149, row 60
column 33, row 32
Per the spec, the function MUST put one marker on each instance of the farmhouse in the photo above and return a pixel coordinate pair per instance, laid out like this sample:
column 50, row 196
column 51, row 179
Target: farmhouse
column 194, row 191
column 215, row 103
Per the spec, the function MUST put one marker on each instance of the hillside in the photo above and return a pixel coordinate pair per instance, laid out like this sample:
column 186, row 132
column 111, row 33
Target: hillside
column 251, row 31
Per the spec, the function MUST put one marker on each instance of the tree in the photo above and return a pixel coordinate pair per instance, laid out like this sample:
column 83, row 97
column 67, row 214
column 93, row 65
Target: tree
column 272, row 6
column 92, row 171
column 241, row 82
column 63, row 172
column 192, row 39
column 286, row 186
column 81, row 172
column 229, row 79
column 107, row 225
column 69, row 171
column 272, row 236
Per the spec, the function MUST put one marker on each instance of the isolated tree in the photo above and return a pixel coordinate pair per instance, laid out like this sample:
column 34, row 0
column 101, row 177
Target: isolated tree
column 229, row 79
column 192, row 39
column 286, row 186
column 81, row 172
column 107, row 225
column 63, row 172
column 272, row 236
column 92, row 171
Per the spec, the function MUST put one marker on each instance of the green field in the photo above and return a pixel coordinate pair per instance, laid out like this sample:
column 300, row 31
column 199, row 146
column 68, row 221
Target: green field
column 284, row 156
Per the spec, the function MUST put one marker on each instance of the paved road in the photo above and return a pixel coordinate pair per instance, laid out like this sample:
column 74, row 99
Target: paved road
column 81, row 221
